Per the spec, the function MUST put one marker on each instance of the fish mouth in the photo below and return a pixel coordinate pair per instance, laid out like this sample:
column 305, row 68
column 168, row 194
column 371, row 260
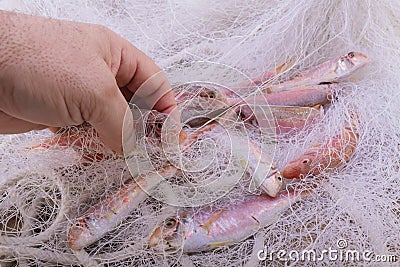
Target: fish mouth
column 273, row 184
column 79, row 236
column 357, row 59
column 162, row 246
column 271, row 189
column 164, row 242
column 291, row 171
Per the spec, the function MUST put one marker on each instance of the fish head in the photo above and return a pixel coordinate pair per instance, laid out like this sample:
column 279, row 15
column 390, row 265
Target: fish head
column 210, row 94
column 155, row 122
column 166, row 238
column 79, row 235
column 351, row 62
column 298, row 168
column 273, row 183
column 205, row 91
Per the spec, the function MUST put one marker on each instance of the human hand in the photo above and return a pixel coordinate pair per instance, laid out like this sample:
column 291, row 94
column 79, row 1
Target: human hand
column 57, row 73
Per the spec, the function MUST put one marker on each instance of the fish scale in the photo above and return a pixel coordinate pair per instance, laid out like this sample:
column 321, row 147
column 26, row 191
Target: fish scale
column 208, row 229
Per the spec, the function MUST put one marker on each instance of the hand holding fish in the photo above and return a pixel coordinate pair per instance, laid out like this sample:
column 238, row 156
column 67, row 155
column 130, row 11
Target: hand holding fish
column 59, row 73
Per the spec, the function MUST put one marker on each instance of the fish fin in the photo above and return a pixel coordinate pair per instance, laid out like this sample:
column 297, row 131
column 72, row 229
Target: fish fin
column 353, row 79
column 207, row 225
column 268, row 90
column 255, row 219
column 318, row 106
column 289, row 63
column 269, row 76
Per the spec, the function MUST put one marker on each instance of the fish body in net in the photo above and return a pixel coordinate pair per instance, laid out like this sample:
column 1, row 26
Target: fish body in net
column 210, row 228
column 324, row 157
column 259, row 164
column 255, row 160
column 333, row 70
column 108, row 213
column 201, row 90
column 287, row 111
column 282, row 121
column 304, row 96
column 251, row 156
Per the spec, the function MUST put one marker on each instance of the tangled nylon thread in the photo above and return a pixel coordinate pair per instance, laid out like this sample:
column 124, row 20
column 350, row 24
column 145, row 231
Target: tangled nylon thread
column 361, row 204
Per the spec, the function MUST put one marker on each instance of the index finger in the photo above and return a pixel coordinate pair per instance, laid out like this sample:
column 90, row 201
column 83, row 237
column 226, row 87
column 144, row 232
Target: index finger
column 148, row 85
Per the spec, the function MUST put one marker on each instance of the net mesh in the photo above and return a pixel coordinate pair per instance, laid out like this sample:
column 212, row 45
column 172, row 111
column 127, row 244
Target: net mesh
column 44, row 189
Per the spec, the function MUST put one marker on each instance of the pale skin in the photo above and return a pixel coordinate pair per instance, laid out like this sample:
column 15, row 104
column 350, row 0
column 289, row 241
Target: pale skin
column 57, row 73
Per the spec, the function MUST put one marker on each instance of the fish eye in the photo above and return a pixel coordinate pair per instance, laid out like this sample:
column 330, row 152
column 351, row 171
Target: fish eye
column 211, row 95
column 279, row 178
column 351, row 54
column 170, row 223
column 81, row 224
column 306, row 161
column 208, row 94
column 159, row 125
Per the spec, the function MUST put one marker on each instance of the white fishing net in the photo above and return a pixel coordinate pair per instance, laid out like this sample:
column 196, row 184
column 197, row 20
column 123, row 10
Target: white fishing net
column 44, row 189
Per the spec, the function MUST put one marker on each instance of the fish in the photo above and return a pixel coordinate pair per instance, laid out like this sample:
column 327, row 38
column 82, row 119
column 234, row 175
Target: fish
column 282, row 121
column 305, row 96
column 209, row 228
column 331, row 71
column 252, row 157
column 105, row 215
column 263, row 171
column 195, row 106
column 81, row 136
column 156, row 132
column 102, row 217
column 324, row 157
column 86, row 138
column 301, row 96
column 201, row 90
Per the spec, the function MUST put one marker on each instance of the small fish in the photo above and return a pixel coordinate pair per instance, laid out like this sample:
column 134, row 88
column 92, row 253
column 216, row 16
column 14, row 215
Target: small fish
column 306, row 96
column 86, row 137
column 252, row 157
column 108, row 213
column 284, row 121
column 154, row 124
column 83, row 139
column 333, row 70
column 208, row 229
column 260, row 166
column 206, row 100
column 324, row 157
